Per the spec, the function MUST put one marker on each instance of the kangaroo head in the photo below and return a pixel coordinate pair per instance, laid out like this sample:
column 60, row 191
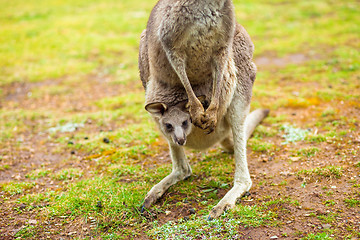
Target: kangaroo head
column 174, row 122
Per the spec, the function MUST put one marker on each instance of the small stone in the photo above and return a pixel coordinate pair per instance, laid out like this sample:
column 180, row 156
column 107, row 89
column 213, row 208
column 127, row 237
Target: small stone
column 326, row 226
column 319, row 212
column 274, row 237
column 32, row 221
column 295, row 159
column 22, row 206
column 167, row 212
column 192, row 211
column 106, row 140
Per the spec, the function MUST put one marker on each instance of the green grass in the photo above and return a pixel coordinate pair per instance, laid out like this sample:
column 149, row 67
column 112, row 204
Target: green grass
column 225, row 228
column 68, row 174
column 4, row 167
column 38, row 173
column 83, row 196
column 328, row 218
column 14, row 188
column 318, row 236
column 261, row 145
column 352, row 202
column 326, row 172
column 308, row 152
column 26, row 232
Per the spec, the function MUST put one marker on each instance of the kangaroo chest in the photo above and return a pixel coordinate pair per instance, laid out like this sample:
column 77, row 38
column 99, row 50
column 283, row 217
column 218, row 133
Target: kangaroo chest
column 202, row 35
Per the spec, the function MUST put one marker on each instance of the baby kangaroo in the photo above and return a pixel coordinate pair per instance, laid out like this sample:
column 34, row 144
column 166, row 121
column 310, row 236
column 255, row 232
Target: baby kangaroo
column 175, row 124
column 195, row 48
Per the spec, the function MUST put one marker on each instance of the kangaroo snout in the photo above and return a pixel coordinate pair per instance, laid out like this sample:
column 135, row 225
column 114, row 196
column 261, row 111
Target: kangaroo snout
column 179, row 136
column 180, row 141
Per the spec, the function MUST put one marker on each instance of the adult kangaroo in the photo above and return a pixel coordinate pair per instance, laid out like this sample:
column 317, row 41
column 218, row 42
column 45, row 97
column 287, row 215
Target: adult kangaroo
column 195, row 48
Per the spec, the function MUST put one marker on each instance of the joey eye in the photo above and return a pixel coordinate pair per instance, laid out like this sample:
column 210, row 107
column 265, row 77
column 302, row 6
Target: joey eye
column 168, row 126
column 185, row 123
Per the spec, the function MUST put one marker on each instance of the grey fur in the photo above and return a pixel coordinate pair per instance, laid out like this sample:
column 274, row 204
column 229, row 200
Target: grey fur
column 192, row 48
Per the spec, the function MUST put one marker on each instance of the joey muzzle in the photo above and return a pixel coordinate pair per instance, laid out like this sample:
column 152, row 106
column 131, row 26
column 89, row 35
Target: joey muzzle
column 179, row 136
column 180, row 141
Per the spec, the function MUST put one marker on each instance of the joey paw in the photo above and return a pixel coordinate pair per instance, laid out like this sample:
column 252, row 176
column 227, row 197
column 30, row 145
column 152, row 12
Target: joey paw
column 198, row 120
column 197, row 115
column 209, row 122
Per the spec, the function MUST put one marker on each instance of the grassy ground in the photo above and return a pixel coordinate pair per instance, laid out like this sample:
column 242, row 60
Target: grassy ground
column 78, row 152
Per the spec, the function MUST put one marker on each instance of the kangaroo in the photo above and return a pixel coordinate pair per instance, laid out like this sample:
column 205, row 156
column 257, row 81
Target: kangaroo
column 195, row 48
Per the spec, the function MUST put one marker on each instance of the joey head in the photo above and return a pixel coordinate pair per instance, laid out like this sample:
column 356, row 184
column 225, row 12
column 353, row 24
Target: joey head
column 174, row 122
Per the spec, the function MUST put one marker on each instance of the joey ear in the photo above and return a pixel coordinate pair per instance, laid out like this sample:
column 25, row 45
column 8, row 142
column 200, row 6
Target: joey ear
column 156, row 108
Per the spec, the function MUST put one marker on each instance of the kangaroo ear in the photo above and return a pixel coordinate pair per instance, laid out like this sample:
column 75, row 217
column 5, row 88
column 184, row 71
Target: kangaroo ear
column 156, row 108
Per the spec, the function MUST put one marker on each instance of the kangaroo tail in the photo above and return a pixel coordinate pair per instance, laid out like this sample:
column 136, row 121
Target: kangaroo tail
column 254, row 119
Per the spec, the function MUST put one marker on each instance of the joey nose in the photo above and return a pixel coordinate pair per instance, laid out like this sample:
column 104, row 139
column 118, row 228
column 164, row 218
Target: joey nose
column 179, row 136
column 180, row 141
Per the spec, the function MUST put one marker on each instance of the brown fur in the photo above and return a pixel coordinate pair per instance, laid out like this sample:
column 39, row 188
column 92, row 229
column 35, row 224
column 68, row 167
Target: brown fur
column 187, row 45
